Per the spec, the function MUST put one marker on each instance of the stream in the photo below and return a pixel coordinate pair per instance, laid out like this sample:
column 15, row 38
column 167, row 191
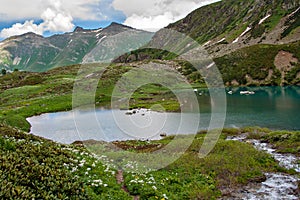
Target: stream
column 277, row 186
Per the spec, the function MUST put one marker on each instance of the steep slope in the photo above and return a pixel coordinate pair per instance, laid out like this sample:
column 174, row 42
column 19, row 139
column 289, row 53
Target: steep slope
column 31, row 52
column 229, row 25
column 253, row 42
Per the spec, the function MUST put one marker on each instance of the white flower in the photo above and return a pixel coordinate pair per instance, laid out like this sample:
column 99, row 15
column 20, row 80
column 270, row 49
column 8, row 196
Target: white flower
column 81, row 165
column 105, row 185
column 98, row 181
column 165, row 196
column 88, row 169
column 74, row 169
column 154, row 187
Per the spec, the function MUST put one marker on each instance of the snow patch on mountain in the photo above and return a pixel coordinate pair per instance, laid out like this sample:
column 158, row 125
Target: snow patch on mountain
column 246, row 31
column 223, row 39
column 102, row 39
column 264, row 19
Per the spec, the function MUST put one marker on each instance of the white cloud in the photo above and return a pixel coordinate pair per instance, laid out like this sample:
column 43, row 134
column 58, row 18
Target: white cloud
column 55, row 19
column 32, row 9
column 150, row 23
column 155, row 14
column 18, row 29
column 59, row 15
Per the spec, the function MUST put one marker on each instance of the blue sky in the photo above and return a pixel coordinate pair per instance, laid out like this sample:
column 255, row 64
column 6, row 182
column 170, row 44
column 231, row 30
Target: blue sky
column 48, row 17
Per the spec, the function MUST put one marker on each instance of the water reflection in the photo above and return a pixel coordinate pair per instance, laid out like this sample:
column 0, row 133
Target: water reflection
column 272, row 107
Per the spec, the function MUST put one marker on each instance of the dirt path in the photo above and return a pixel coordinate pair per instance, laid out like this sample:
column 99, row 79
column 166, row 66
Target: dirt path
column 120, row 180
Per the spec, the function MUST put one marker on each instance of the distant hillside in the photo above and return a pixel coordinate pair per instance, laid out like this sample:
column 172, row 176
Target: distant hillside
column 31, row 52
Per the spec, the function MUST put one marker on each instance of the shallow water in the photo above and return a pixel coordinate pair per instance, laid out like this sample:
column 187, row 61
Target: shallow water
column 278, row 186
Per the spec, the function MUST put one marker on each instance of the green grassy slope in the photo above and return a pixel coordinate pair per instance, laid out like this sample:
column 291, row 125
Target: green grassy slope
column 231, row 17
column 257, row 61
column 32, row 167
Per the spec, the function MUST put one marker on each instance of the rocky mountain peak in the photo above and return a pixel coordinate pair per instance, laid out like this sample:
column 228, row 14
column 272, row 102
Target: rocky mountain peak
column 78, row 29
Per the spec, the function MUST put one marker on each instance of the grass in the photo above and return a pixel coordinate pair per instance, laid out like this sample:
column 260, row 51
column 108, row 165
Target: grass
column 32, row 167
column 229, row 166
column 256, row 61
column 69, row 171
column 251, row 66
column 284, row 141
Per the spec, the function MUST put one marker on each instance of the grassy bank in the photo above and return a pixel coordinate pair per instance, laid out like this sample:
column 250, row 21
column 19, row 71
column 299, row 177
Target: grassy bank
column 25, row 94
column 32, row 167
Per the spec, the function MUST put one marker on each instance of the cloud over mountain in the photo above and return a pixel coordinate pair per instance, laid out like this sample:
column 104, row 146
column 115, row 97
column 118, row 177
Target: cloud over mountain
column 53, row 16
column 155, row 14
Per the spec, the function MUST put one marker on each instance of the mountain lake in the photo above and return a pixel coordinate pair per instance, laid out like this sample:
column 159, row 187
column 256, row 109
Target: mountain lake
column 276, row 108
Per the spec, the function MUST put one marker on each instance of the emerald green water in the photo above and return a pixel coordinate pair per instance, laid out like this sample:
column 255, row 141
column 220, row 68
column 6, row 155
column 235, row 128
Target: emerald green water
column 272, row 107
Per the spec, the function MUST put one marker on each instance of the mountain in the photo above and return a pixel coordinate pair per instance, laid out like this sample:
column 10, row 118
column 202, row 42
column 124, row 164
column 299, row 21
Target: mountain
column 253, row 42
column 31, row 52
column 228, row 25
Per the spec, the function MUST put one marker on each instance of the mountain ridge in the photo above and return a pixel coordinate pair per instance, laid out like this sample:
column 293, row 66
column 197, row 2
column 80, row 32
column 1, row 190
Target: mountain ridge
column 32, row 52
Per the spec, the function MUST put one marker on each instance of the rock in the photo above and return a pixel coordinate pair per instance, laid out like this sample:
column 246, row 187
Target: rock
column 163, row 135
column 131, row 58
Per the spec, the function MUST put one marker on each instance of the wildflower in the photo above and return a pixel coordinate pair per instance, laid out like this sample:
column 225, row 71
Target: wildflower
column 74, row 169
column 81, row 165
column 165, row 196
column 98, row 181
column 154, row 187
